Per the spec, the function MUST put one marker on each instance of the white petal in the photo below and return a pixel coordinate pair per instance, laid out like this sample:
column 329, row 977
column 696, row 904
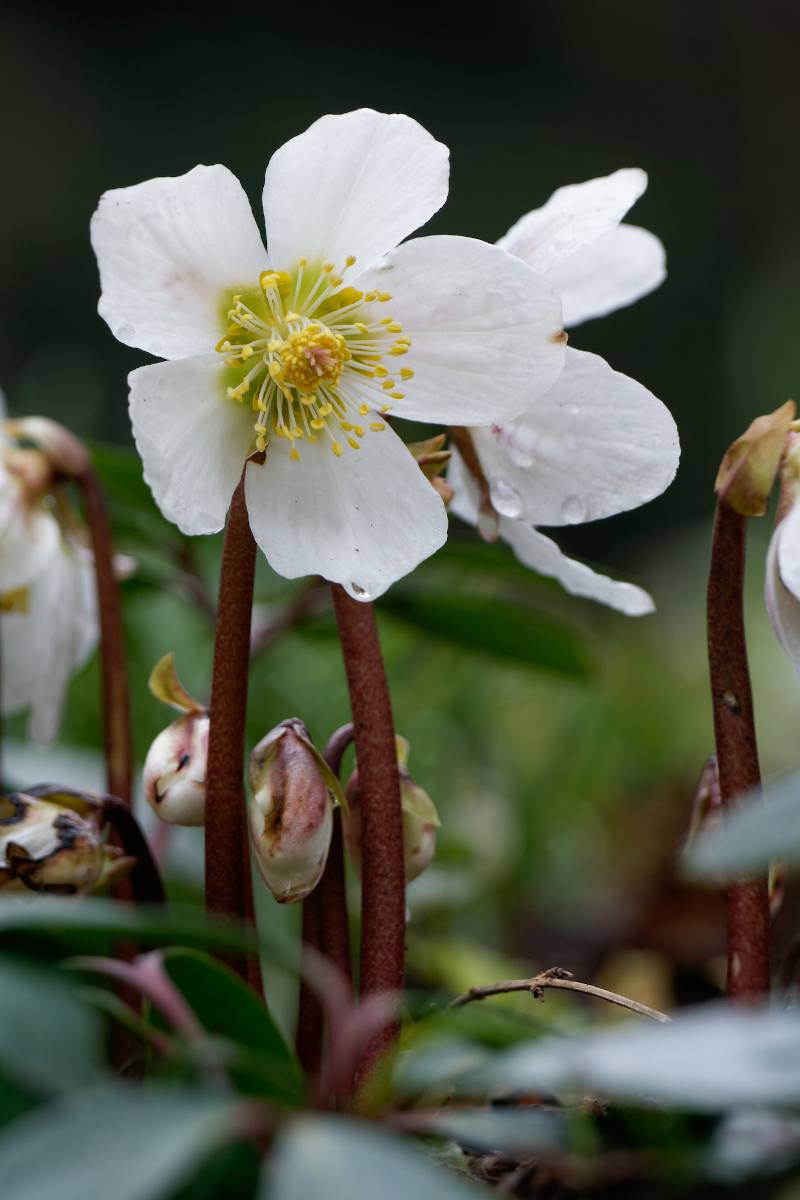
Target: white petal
column 574, row 216
column 464, row 503
column 169, row 251
column 28, row 537
column 42, row 647
column 355, row 184
column 537, row 551
column 620, row 267
column 486, row 333
column 782, row 585
column 362, row 520
column 597, row 444
column 192, row 440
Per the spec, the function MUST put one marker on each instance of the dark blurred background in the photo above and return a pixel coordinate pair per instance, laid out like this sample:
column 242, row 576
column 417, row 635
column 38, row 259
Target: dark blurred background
column 563, row 801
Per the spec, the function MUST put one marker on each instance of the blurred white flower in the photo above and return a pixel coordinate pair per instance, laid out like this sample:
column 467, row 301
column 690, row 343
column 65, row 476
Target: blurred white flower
column 48, row 608
column 301, row 351
column 597, row 443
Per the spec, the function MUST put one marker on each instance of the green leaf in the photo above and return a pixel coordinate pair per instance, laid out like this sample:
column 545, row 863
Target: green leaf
column 94, row 925
column 50, row 1039
column 343, row 1159
column 113, row 1141
column 762, row 829
column 493, row 626
column 229, row 1009
column 519, row 1131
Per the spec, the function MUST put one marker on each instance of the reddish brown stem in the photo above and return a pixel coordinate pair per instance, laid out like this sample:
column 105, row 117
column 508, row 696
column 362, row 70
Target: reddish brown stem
column 382, row 867
column 226, row 893
column 737, row 751
column 116, row 702
column 325, row 924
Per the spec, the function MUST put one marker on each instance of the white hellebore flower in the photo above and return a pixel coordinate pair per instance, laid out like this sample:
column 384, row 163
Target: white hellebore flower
column 597, row 443
column 302, row 349
column 48, row 608
column 783, row 558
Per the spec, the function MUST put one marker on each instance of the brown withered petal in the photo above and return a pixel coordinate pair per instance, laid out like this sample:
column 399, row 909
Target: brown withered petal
column 47, row 847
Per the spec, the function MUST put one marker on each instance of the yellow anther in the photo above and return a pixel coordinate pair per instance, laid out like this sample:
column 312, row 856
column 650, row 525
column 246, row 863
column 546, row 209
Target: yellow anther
column 302, row 262
column 350, row 260
column 406, row 373
column 358, row 430
column 317, row 423
column 370, row 296
column 348, row 295
column 397, row 350
column 337, row 448
column 297, row 432
column 294, row 454
column 275, row 370
column 292, row 316
column 386, row 321
column 381, row 372
column 361, row 327
column 384, row 296
column 326, row 410
column 394, row 327
column 261, row 443
column 328, row 266
column 267, row 279
column 363, row 410
column 346, row 426
column 223, row 346
column 274, row 345
column 308, row 400
column 388, row 383
column 336, row 281
column 403, row 341
column 377, row 426
column 312, row 437
column 352, row 441
column 397, row 395
column 247, row 352
column 384, row 408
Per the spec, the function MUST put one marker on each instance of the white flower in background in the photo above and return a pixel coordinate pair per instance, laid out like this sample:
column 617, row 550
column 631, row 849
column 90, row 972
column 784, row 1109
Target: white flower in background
column 597, row 443
column 48, row 608
column 302, row 349
column 783, row 558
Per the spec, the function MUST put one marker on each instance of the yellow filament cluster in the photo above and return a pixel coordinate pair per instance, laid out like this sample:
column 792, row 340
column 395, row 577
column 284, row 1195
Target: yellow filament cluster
column 307, row 351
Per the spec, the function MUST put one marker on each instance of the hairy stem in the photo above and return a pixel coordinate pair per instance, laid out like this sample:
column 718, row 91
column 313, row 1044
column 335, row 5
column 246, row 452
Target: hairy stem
column 116, row 702
column 225, row 874
column 383, row 867
column 737, row 751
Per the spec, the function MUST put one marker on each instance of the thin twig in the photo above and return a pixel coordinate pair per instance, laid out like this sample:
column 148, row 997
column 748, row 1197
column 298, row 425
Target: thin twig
column 737, row 750
column 558, row 979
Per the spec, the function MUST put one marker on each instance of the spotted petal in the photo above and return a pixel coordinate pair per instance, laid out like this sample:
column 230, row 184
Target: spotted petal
column 783, row 584
column 616, row 269
column 43, row 644
column 573, row 217
column 193, row 442
column 355, row 184
column 169, row 252
column 485, row 330
column 362, row 520
column 596, row 444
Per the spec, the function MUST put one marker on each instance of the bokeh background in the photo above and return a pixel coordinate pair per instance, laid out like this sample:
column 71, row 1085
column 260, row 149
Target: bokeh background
column 565, row 793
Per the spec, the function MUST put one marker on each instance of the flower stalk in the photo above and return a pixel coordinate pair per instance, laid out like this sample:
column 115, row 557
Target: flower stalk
column 226, row 860
column 116, row 700
column 383, row 872
column 737, row 750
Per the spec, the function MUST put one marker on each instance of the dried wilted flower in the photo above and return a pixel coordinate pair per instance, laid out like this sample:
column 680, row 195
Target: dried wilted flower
column 54, row 844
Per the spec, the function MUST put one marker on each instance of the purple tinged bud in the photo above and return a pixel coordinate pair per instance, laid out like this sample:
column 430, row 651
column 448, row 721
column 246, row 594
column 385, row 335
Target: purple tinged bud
column 175, row 771
column 290, row 811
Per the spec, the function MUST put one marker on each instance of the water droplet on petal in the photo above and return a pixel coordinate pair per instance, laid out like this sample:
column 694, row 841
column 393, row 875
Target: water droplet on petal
column 573, row 510
column 505, row 498
column 358, row 591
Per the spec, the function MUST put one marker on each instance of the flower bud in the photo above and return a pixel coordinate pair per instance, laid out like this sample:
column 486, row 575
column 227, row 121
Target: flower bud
column 47, row 847
column 747, row 473
column 175, row 771
column 290, row 812
column 66, row 453
column 420, row 820
column 175, row 767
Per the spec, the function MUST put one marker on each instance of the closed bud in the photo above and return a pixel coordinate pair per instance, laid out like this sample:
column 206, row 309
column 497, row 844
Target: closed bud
column 290, row 811
column 420, row 819
column 175, row 771
column 748, row 470
column 175, row 767
column 47, row 847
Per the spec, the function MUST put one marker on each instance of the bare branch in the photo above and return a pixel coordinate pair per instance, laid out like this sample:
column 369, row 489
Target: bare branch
column 559, row 979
